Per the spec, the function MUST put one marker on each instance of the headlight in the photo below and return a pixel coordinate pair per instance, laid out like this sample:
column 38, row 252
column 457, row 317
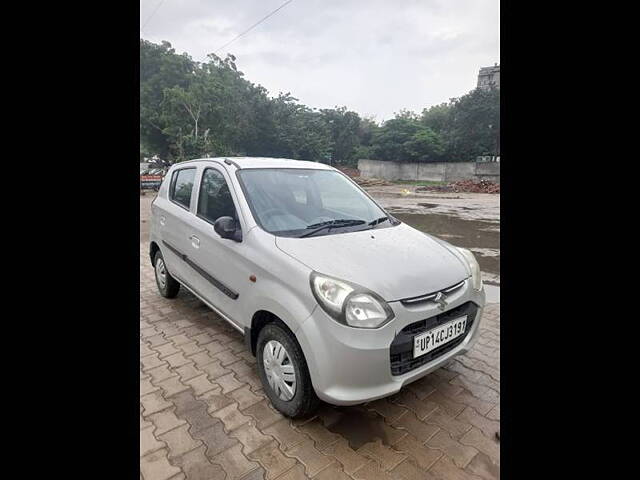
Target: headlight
column 349, row 303
column 476, row 276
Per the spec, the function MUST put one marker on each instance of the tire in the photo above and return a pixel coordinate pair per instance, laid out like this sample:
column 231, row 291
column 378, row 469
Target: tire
column 304, row 400
column 167, row 285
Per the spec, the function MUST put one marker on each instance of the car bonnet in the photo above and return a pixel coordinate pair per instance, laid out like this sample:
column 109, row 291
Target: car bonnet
column 395, row 262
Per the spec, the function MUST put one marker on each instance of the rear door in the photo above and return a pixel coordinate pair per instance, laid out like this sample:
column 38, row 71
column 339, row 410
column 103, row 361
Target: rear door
column 174, row 221
column 223, row 274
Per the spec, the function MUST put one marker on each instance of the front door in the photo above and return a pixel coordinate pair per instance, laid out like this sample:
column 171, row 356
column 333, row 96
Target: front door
column 223, row 275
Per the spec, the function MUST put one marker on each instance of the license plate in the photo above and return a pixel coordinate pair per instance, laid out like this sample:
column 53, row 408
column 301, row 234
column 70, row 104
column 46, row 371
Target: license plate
column 438, row 336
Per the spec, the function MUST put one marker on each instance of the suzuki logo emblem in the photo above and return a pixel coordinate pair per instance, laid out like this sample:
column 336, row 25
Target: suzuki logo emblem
column 440, row 299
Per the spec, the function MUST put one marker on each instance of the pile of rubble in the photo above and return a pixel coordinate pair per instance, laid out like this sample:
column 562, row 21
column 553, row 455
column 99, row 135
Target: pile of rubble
column 463, row 186
column 371, row 182
column 352, row 172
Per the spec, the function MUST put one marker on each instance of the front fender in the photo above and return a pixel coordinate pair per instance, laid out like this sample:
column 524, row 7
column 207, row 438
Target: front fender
column 286, row 306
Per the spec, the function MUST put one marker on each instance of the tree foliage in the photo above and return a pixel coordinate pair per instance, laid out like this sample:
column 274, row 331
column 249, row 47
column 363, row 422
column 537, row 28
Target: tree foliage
column 190, row 109
column 469, row 125
column 405, row 137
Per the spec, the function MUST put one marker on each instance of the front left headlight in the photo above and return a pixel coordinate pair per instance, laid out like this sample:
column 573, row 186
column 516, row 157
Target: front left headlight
column 348, row 303
column 476, row 276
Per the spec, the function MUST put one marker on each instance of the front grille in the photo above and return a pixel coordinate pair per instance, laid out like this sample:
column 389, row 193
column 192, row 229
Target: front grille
column 401, row 350
column 430, row 296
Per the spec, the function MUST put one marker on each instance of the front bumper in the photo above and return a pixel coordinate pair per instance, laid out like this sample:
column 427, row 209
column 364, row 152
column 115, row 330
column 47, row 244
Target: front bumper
column 350, row 365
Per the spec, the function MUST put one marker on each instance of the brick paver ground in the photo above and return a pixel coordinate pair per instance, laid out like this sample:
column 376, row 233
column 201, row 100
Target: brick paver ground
column 203, row 414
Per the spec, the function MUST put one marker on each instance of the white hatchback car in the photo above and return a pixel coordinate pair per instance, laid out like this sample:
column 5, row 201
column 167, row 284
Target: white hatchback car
column 338, row 300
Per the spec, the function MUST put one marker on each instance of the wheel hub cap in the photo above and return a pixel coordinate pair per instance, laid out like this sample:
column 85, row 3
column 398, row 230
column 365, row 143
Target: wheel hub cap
column 279, row 370
column 161, row 273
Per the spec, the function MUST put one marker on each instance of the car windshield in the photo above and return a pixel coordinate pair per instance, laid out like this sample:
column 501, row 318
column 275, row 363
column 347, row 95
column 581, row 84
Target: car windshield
column 304, row 202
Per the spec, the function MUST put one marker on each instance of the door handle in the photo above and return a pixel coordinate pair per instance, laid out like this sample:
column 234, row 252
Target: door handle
column 162, row 220
column 195, row 241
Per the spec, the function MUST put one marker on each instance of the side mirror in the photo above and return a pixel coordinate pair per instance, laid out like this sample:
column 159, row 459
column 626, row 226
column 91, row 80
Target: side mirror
column 226, row 228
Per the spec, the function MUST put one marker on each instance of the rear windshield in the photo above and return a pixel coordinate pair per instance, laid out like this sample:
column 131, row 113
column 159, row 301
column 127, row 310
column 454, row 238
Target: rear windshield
column 292, row 202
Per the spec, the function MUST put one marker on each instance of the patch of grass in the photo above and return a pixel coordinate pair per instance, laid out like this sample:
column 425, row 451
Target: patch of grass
column 418, row 183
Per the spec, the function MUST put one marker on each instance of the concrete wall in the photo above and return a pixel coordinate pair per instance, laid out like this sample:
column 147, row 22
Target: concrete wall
column 488, row 171
column 434, row 172
column 455, row 172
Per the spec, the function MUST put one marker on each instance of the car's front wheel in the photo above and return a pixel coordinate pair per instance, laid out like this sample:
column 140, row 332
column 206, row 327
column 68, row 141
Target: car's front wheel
column 167, row 285
column 284, row 372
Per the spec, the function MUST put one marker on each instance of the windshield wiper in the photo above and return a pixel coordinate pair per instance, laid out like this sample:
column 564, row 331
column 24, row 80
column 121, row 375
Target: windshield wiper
column 378, row 220
column 342, row 222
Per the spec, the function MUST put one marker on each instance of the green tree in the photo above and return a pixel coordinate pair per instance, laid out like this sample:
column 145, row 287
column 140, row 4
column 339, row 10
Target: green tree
column 405, row 139
column 300, row 132
column 366, row 132
column 425, row 145
column 474, row 125
column 160, row 68
column 437, row 117
column 190, row 109
column 343, row 126
column 469, row 125
column 144, row 151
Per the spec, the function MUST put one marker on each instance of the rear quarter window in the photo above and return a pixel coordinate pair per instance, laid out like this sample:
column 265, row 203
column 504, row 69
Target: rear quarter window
column 182, row 186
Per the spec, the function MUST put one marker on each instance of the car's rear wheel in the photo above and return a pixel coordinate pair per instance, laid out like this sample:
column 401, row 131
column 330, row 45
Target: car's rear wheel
column 167, row 285
column 284, row 373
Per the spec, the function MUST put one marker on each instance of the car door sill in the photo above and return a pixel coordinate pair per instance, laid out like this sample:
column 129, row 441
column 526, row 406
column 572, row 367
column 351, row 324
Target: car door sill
column 210, row 305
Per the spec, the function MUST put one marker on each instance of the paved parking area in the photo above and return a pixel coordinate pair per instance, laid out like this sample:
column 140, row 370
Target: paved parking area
column 203, row 414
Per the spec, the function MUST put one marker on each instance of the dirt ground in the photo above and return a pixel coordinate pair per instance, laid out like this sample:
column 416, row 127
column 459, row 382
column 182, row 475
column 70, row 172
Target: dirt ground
column 466, row 206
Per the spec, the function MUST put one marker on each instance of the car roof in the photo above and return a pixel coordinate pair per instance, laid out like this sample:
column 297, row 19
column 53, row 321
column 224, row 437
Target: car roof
column 263, row 162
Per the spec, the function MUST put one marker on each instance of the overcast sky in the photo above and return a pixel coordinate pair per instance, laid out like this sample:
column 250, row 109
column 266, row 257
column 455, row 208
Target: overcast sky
column 374, row 56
